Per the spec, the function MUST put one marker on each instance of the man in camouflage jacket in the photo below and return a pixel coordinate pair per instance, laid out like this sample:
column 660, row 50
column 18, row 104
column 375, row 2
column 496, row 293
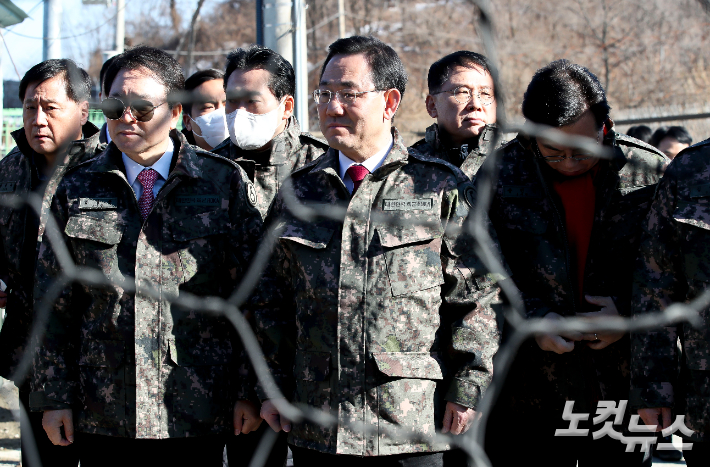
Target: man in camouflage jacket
column 135, row 366
column 259, row 80
column 55, row 97
column 674, row 266
column 383, row 315
column 461, row 98
column 538, row 244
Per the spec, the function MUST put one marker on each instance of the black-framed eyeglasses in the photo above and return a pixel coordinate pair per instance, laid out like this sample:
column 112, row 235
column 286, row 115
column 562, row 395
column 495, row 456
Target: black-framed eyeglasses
column 463, row 95
column 141, row 109
column 554, row 159
column 321, row 96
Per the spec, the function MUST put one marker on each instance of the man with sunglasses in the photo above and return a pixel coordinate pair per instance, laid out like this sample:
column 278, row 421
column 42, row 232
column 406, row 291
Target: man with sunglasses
column 136, row 374
column 376, row 309
column 462, row 100
column 56, row 135
column 264, row 136
column 569, row 224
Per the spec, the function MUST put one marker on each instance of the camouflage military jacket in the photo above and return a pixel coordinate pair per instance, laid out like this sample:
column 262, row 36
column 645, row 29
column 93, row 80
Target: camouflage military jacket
column 674, row 266
column 529, row 218
column 290, row 150
column 380, row 315
column 469, row 160
column 135, row 365
column 19, row 177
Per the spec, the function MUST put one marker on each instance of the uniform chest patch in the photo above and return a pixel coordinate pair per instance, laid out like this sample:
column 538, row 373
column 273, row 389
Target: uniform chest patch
column 197, row 200
column 424, row 204
column 98, row 204
column 700, row 191
column 8, row 187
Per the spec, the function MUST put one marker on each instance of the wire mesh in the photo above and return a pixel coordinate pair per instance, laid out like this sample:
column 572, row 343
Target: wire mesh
column 472, row 441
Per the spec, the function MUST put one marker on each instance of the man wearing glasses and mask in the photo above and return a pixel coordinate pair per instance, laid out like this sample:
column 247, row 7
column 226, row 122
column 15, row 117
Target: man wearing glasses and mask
column 461, row 99
column 382, row 316
column 264, row 136
column 130, row 373
column 569, row 226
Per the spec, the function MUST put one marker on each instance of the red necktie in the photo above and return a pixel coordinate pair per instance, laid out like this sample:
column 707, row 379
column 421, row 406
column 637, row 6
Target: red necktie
column 357, row 173
column 147, row 179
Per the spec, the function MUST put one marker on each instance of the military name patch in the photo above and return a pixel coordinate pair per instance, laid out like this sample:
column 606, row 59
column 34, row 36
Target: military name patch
column 98, row 204
column 7, row 187
column 251, row 194
column 197, row 200
column 408, row 204
column 700, row 191
column 517, row 191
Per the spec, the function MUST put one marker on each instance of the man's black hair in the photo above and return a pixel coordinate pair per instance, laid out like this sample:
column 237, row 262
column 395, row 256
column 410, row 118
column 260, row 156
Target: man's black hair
column 282, row 79
column 196, row 80
column 76, row 80
column 163, row 67
column 440, row 71
column 561, row 92
column 387, row 70
column 641, row 133
column 679, row 133
column 102, row 74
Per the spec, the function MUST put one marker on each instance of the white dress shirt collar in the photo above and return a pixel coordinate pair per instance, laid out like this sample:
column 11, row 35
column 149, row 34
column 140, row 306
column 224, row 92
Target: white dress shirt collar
column 372, row 163
column 162, row 166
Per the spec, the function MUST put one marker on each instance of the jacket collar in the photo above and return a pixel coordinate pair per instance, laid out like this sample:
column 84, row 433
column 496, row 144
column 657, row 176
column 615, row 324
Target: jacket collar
column 185, row 159
column 397, row 157
column 485, row 139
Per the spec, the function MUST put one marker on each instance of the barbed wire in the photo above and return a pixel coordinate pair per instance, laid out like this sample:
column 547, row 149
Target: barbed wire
column 476, row 226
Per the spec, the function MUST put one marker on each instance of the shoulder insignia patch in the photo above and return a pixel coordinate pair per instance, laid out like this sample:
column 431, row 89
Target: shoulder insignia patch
column 251, row 193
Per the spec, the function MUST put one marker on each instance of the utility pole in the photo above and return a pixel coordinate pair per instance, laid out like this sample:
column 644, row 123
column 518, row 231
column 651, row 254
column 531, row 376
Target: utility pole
column 300, row 63
column 341, row 18
column 52, row 47
column 120, row 26
column 278, row 28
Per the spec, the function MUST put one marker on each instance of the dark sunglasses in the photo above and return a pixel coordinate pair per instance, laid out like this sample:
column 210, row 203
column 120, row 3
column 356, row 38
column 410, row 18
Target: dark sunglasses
column 141, row 109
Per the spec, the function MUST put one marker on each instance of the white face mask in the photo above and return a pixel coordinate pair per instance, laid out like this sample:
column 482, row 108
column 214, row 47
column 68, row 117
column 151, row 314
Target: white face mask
column 213, row 127
column 251, row 131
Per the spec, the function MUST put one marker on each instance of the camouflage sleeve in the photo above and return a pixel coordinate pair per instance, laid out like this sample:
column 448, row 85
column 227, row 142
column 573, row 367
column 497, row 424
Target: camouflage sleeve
column 472, row 305
column 246, row 233
column 654, row 361
column 55, row 365
column 274, row 311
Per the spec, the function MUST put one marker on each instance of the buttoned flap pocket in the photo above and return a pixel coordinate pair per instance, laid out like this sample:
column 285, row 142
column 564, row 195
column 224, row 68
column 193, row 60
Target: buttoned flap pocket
column 103, row 353
column 310, row 235
column 693, row 218
column 417, row 365
column 188, row 352
column 694, row 214
column 312, row 366
column 200, row 225
column 94, row 229
column 413, row 256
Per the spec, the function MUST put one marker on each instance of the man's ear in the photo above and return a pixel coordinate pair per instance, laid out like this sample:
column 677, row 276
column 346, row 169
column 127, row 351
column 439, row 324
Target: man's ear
column 288, row 107
column 392, row 99
column 186, row 122
column 84, row 109
column 431, row 106
column 175, row 115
